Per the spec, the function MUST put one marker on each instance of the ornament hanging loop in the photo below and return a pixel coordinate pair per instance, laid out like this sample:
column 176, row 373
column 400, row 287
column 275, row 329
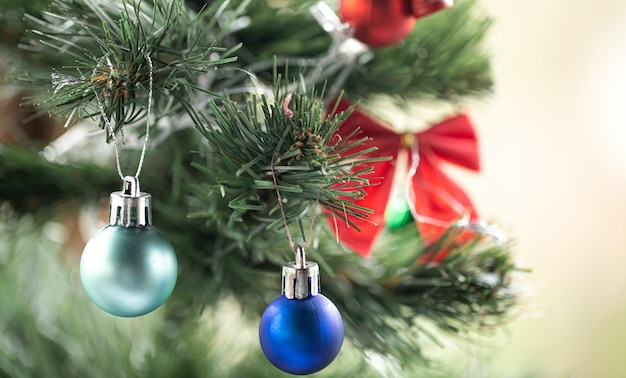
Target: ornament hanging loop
column 131, row 186
column 300, row 258
column 130, row 207
column 301, row 279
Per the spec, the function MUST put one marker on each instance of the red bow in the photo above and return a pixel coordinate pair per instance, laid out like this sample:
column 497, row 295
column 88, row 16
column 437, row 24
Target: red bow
column 435, row 200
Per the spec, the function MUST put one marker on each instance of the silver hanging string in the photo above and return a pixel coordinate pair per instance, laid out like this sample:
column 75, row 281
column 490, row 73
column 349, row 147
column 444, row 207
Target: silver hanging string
column 307, row 238
column 109, row 126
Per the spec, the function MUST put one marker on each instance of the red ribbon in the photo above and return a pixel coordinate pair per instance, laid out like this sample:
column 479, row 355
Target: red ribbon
column 435, row 200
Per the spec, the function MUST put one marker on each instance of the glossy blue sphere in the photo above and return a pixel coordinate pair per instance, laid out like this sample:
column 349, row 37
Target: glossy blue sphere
column 301, row 336
column 128, row 271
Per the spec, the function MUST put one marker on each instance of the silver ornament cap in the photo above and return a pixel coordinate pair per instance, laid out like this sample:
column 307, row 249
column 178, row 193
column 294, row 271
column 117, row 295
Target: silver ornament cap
column 130, row 207
column 301, row 279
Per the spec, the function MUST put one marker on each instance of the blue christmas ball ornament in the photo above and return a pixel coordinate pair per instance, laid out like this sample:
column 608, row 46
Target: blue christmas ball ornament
column 129, row 267
column 301, row 331
column 301, row 336
column 128, row 271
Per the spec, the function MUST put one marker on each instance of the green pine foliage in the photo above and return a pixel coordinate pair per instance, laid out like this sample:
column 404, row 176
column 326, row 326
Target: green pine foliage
column 240, row 163
column 111, row 50
column 274, row 153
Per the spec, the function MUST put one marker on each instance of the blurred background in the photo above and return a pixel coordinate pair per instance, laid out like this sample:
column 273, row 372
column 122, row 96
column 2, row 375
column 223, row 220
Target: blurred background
column 553, row 140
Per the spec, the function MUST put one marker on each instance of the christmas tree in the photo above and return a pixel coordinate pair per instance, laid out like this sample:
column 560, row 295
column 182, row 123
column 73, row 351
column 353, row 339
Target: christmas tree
column 263, row 131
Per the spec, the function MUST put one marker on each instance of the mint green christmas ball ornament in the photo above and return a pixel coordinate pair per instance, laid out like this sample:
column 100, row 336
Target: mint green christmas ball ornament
column 129, row 267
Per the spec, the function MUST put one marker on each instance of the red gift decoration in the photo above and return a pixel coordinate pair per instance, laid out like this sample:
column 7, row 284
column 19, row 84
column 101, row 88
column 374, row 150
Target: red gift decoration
column 436, row 202
column 380, row 23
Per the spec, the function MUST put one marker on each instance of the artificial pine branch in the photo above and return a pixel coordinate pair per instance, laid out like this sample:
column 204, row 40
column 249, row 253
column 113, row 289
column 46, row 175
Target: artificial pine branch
column 382, row 299
column 104, row 48
column 260, row 149
column 234, row 245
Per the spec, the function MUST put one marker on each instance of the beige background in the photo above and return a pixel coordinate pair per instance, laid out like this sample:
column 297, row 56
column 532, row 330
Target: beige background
column 554, row 150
